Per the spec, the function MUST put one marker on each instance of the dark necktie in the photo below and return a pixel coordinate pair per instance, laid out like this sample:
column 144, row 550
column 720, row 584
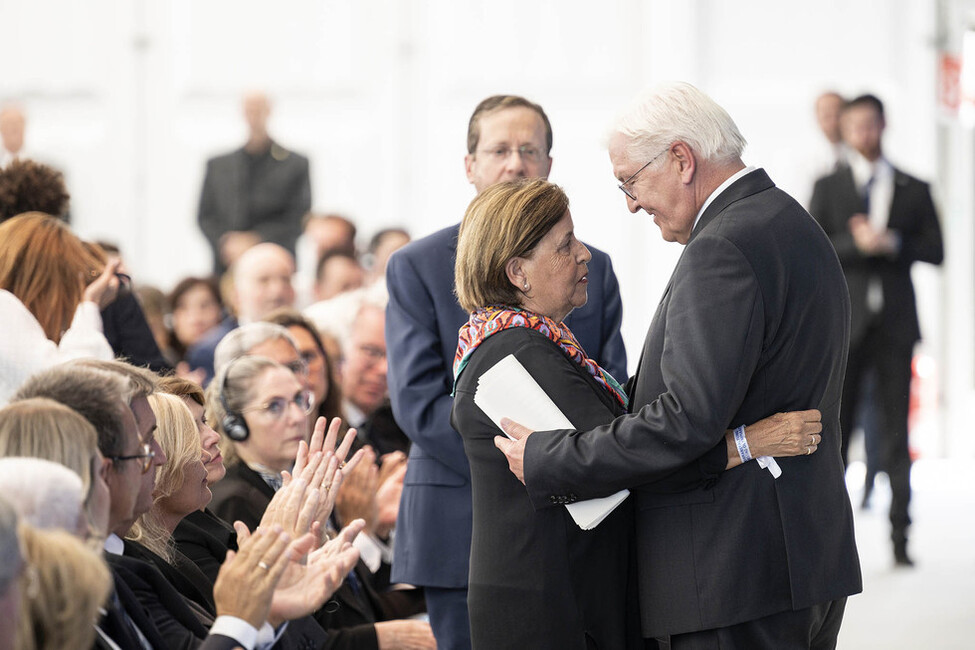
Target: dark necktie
column 867, row 187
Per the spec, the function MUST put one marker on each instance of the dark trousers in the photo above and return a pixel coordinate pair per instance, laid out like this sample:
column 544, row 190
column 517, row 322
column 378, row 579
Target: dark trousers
column 449, row 620
column 813, row 628
column 891, row 361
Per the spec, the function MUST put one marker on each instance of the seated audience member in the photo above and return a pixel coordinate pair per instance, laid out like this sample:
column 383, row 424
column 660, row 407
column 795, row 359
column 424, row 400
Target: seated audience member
column 321, row 233
column 46, row 494
column 47, row 313
column 68, row 584
column 363, row 377
column 180, row 489
column 267, row 406
column 337, row 272
column 318, row 366
column 330, row 232
column 383, row 244
column 124, row 322
column 155, row 308
column 262, row 283
column 29, row 186
column 46, row 429
column 195, row 308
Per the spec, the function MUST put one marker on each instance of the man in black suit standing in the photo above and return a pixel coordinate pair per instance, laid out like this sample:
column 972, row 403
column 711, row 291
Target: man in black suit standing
column 880, row 221
column 257, row 193
column 754, row 321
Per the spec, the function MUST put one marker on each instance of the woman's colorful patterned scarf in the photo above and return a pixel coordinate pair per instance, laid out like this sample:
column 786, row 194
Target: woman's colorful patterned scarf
column 491, row 320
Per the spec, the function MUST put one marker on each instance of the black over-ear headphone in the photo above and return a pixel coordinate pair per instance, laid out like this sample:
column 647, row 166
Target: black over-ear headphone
column 233, row 423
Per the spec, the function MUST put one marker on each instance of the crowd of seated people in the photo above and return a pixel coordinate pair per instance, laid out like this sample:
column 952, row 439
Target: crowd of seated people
column 118, row 470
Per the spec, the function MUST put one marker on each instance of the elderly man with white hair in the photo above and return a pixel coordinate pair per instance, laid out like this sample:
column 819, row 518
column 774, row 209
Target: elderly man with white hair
column 46, row 494
column 262, row 283
column 755, row 321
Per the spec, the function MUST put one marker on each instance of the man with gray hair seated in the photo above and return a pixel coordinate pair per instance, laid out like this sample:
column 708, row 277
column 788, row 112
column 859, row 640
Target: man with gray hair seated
column 11, row 566
column 46, row 494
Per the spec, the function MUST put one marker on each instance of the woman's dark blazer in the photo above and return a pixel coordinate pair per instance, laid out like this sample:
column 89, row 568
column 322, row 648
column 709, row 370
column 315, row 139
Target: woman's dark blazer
column 537, row 580
column 205, row 538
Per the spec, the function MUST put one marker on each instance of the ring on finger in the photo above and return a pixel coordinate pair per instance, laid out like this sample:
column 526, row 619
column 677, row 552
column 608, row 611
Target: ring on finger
column 263, row 565
column 808, row 450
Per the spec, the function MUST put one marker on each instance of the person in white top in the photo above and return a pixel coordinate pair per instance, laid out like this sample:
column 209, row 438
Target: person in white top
column 49, row 311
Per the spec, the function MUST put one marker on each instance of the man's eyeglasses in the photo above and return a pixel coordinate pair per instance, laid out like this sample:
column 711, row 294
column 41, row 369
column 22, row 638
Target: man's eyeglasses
column 526, row 151
column 372, row 354
column 146, row 457
column 633, row 176
column 276, row 407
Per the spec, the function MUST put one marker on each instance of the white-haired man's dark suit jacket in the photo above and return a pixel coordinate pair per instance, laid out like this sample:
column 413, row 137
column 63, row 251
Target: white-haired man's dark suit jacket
column 755, row 321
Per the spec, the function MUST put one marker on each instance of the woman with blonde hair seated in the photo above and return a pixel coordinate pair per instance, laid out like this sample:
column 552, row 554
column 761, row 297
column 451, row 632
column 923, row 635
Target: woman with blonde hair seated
column 180, row 489
column 42, row 428
column 51, row 292
column 65, row 586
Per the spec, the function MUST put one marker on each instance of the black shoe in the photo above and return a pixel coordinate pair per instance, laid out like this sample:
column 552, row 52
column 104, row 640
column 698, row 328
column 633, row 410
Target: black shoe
column 901, row 558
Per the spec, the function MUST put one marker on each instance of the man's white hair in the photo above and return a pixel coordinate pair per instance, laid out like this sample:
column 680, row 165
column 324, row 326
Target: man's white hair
column 44, row 493
column 678, row 111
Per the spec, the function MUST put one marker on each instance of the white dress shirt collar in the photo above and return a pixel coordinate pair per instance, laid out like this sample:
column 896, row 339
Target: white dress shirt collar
column 721, row 188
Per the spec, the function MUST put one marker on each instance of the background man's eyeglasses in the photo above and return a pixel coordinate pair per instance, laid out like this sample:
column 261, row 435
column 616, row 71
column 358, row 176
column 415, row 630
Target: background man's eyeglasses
column 526, row 151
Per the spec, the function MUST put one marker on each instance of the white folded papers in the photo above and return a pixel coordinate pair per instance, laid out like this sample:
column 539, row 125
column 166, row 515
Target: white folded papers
column 507, row 390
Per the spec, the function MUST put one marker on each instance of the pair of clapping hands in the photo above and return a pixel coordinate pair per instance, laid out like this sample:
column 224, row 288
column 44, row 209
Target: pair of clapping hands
column 372, row 492
column 287, row 568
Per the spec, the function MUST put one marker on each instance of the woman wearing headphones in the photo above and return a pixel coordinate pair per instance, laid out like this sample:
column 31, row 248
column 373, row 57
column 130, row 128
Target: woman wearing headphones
column 262, row 411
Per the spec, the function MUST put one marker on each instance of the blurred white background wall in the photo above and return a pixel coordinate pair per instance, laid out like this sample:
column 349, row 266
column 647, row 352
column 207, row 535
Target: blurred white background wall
column 129, row 98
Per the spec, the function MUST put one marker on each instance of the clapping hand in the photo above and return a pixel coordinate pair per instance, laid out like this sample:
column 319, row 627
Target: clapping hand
column 248, row 578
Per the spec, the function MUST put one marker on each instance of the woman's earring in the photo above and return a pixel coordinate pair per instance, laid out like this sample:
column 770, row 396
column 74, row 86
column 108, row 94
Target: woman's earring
column 526, row 286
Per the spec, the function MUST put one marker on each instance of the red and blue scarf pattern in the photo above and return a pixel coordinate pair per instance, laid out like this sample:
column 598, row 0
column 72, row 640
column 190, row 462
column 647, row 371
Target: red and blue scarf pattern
column 493, row 319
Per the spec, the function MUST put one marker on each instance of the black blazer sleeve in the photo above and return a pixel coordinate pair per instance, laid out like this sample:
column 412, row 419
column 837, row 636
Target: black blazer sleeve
column 707, row 378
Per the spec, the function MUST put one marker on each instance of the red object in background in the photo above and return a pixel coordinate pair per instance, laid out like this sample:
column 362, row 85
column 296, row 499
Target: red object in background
column 949, row 83
column 923, row 397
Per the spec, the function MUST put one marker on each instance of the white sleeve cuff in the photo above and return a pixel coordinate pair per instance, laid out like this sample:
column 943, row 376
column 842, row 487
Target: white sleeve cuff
column 268, row 636
column 237, row 629
column 369, row 551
